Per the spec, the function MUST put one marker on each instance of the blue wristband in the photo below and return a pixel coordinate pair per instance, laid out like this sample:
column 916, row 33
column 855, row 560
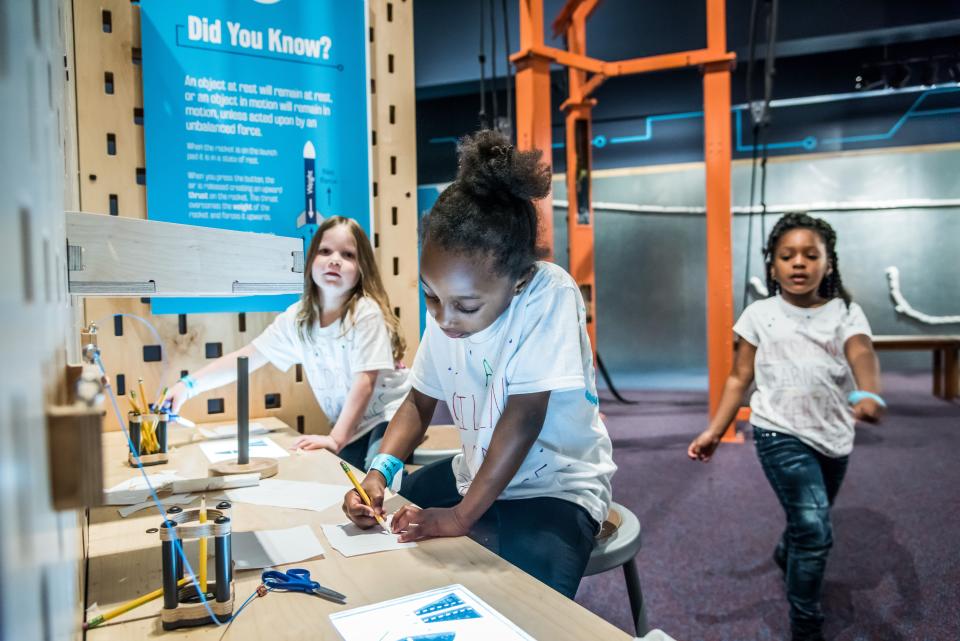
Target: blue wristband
column 858, row 395
column 388, row 465
column 191, row 384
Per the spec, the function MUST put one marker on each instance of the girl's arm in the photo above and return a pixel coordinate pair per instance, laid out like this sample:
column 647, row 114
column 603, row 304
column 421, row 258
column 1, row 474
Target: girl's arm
column 514, row 435
column 702, row 447
column 354, row 405
column 403, row 435
column 218, row 373
column 866, row 371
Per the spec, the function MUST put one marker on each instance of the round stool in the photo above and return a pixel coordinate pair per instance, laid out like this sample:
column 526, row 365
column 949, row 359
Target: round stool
column 616, row 546
column 440, row 442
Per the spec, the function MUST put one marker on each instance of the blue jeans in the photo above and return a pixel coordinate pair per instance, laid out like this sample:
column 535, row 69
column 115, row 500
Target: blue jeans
column 806, row 482
column 360, row 453
column 548, row 538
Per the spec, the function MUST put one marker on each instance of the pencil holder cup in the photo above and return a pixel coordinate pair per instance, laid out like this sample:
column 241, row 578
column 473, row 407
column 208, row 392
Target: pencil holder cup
column 182, row 607
column 148, row 438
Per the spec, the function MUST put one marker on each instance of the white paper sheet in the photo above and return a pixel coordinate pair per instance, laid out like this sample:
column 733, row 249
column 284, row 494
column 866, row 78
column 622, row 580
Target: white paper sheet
column 137, row 482
column 226, row 449
column 300, row 495
column 166, row 501
column 452, row 612
column 349, row 540
column 134, row 490
column 229, row 431
column 268, row 548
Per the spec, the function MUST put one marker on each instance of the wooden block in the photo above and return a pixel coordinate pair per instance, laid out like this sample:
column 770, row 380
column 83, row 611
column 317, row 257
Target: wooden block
column 266, row 466
column 76, row 464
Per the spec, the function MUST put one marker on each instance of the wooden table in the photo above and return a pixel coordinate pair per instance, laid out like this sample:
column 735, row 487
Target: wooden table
column 946, row 358
column 124, row 562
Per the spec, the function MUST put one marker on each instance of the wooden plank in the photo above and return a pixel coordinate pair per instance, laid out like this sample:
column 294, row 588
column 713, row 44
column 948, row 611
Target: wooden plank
column 100, row 113
column 393, row 111
column 180, row 260
column 124, row 563
column 914, row 343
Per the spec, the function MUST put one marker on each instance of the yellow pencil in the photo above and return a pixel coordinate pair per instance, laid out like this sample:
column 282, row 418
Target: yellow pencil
column 143, row 396
column 163, row 397
column 363, row 495
column 203, row 546
column 126, row 607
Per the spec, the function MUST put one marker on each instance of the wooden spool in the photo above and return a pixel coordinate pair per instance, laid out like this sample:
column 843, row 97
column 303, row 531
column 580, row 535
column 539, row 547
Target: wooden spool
column 266, row 466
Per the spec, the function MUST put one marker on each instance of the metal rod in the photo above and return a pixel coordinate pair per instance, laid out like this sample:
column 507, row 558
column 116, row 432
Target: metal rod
column 243, row 410
column 222, row 562
column 169, row 562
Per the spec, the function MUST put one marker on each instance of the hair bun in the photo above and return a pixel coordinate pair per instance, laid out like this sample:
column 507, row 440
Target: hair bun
column 490, row 167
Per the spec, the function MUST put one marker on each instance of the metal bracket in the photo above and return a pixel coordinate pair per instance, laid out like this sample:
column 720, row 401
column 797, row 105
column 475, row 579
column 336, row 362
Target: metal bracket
column 74, row 258
column 113, row 288
column 260, row 288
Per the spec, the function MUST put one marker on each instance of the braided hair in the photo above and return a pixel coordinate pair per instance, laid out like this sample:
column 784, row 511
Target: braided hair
column 832, row 284
column 489, row 207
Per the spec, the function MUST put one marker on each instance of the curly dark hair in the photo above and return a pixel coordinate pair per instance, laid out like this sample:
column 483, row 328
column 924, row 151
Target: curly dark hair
column 832, row 284
column 489, row 207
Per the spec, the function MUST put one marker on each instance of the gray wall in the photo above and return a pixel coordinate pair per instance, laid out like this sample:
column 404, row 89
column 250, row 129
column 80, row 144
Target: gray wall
column 651, row 268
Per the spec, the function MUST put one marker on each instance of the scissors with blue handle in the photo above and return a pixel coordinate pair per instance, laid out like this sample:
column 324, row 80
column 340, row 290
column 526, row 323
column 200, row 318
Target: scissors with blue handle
column 298, row 580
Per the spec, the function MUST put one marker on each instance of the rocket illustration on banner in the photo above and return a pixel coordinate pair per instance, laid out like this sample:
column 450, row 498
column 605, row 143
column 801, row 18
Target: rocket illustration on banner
column 309, row 215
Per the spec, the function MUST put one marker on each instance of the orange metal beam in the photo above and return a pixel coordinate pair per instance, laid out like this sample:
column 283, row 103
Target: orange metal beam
column 664, row 62
column 565, row 18
column 533, row 130
column 580, row 231
column 717, row 156
column 625, row 67
column 533, row 103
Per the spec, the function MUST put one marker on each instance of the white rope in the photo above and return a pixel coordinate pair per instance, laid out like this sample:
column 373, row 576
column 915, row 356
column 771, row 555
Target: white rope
column 903, row 307
column 862, row 205
column 759, row 287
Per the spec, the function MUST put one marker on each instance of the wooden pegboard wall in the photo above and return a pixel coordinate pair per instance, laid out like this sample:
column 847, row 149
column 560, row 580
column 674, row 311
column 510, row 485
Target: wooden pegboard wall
column 114, row 179
column 393, row 105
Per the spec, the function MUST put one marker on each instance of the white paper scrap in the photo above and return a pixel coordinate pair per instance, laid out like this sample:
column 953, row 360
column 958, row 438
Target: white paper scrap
column 229, row 431
column 226, row 450
column 300, row 495
column 137, row 482
column 134, row 490
column 173, row 499
column 349, row 540
column 268, row 548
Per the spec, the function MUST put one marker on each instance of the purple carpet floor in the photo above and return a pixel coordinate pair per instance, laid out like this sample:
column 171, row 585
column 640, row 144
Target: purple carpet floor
column 709, row 529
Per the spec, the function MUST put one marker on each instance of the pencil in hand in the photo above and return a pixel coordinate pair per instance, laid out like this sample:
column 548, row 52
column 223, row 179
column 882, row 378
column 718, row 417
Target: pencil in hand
column 364, row 496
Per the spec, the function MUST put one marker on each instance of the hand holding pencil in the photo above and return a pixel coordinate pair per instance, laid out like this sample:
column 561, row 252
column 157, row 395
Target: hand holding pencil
column 364, row 504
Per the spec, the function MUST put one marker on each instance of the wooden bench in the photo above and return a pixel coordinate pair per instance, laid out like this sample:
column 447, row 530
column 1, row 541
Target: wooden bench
column 946, row 358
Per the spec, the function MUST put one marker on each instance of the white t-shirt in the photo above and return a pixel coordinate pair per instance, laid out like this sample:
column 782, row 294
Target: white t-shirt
column 333, row 357
column 538, row 344
column 802, row 375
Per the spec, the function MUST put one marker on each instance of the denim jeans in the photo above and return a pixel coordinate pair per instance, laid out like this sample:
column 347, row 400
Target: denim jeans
column 360, row 453
column 548, row 538
column 806, row 482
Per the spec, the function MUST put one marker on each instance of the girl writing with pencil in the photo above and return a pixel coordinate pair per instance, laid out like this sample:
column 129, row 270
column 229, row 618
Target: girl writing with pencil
column 344, row 332
column 506, row 347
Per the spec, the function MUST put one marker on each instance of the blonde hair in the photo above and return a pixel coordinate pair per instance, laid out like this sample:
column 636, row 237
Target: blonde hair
column 368, row 284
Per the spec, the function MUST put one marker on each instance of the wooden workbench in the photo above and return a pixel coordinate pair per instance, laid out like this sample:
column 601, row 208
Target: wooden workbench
column 124, row 562
column 946, row 358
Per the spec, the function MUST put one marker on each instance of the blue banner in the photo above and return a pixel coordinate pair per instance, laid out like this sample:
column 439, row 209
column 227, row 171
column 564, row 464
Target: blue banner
column 256, row 117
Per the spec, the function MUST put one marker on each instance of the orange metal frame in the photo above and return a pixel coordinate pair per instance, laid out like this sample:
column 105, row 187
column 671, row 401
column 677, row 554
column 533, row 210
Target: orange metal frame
column 534, row 132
